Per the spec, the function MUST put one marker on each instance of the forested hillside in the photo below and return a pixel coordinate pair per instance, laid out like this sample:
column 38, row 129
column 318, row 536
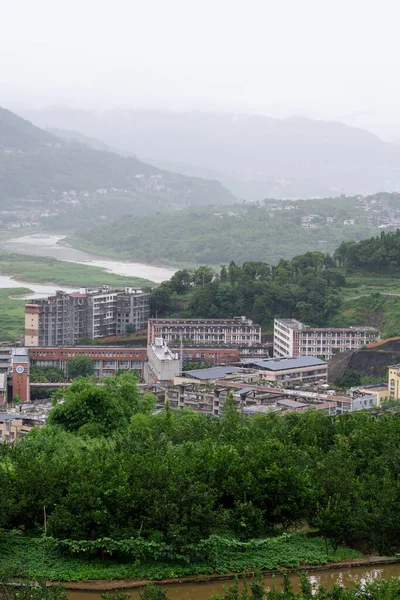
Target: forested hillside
column 240, row 232
column 36, row 166
column 307, row 288
column 16, row 134
column 375, row 254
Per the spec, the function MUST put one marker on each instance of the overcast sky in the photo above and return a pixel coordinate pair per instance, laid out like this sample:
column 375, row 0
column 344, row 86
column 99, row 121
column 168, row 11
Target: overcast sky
column 322, row 58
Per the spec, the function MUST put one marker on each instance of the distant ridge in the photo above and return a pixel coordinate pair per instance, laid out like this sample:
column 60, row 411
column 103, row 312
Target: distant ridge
column 255, row 156
column 36, row 166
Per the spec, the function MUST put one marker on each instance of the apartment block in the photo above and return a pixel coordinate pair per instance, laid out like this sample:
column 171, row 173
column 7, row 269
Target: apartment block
column 239, row 331
column 293, row 338
column 64, row 319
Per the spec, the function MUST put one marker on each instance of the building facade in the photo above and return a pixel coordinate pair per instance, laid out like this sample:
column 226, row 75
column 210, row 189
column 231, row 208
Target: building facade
column 13, row 426
column 239, row 331
column 162, row 364
column 285, row 371
column 64, row 319
column 107, row 360
column 293, row 338
column 394, row 382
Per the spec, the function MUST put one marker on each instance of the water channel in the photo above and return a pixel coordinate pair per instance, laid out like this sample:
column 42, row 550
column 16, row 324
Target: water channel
column 48, row 245
column 202, row 591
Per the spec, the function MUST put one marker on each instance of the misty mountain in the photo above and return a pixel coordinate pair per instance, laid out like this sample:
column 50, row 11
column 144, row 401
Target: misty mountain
column 75, row 136
column 36, row 165
column 254, row 156
column 18, row 135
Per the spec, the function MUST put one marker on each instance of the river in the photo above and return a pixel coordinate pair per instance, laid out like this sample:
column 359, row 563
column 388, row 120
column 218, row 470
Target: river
column 48, row 245
column 202, row 591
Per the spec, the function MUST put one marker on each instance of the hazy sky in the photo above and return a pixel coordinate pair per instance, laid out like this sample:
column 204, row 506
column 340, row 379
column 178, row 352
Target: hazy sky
column 322, row 58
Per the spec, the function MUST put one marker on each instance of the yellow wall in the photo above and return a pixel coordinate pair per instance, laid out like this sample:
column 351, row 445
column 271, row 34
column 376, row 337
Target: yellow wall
column 394, row 383
column 380, row 394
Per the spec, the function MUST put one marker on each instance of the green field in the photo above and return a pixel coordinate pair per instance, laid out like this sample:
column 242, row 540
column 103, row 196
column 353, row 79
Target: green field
column 12, row 314
column 40, row 269
column 27, row 556
column 370, row 300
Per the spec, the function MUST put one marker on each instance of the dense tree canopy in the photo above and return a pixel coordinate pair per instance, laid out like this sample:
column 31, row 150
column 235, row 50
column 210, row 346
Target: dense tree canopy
column 305, row 287
column 373, row 254
column 100, row 409
column 106, row 467
column 80, row 366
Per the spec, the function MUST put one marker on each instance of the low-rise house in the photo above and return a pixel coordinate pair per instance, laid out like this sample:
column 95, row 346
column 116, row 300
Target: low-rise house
column 14, row 426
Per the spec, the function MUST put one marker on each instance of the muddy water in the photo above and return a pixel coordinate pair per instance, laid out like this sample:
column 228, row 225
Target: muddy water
column 202, row 591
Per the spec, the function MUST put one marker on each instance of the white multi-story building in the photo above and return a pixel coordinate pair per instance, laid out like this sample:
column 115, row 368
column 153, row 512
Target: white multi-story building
column 162, row 364
column 238, row 331
column 293, row 338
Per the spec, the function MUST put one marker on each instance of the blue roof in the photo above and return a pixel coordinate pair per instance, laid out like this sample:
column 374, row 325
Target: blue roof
column 281, row 364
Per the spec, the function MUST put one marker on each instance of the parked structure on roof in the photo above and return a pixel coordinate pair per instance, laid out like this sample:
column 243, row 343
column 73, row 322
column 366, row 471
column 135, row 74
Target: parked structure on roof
column 293, row 338
column 64, row 319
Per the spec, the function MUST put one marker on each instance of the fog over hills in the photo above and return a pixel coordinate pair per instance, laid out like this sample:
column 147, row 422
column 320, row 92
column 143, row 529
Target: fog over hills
column 38, row 166
column 254, row 156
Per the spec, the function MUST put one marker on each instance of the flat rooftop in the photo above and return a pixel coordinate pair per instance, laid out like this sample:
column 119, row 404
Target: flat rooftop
column 163, row 353
column 294, row 324
column 283, row 364
column 234, row 321
column 212, row 372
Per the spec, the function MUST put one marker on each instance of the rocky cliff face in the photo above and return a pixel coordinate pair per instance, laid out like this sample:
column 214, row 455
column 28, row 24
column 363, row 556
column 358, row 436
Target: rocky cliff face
column 369, row 361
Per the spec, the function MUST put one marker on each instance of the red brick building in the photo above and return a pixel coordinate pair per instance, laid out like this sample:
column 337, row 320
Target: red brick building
column 20, row 375
column 107, row 360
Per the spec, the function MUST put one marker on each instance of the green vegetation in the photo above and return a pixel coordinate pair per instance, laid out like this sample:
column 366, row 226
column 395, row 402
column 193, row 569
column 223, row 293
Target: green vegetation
column 24, row 554
column 376, row 590
column 375, row 254
column 240, row 232
column 45, row 374
column 32, row 590
column 374, row 309
column 100, row 409
column 40, row 269
column 12, row 314
column 80, row 366
column 131, row 493
column 307, row 287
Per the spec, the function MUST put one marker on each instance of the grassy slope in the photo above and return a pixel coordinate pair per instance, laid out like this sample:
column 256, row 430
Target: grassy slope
column 11, row 314
column 370, row 299
column 24, row 555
